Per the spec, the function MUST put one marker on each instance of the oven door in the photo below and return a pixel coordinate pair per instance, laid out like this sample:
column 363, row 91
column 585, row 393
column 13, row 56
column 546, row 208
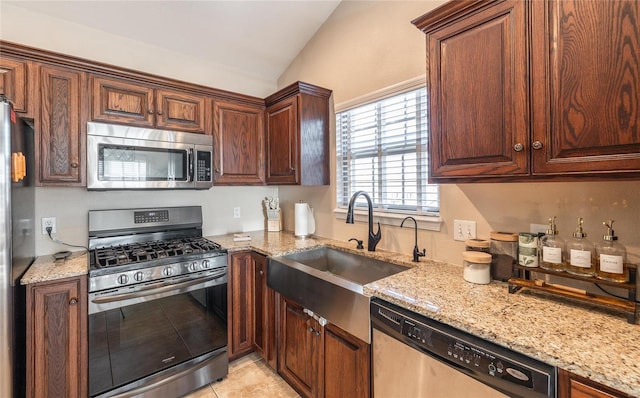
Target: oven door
column 162, row 339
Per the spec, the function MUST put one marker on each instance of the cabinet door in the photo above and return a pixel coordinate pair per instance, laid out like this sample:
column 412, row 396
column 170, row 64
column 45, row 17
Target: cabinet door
column 118, row 101
column 346, row 364
column 574, row 386
column 57, row 339
column 300, row 340
column 238, row 132
column 14, row 82
column 586, row 91
column 61, row 127
column 240, row 299
column 264, row 312
column 282, row 142
column 478, row 87
column 180, row 111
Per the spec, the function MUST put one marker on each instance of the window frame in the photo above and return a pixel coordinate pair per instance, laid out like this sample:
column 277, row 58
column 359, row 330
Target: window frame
column 429, row 220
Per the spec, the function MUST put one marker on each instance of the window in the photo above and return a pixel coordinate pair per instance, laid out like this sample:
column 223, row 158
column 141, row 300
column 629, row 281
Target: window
column 381, row 148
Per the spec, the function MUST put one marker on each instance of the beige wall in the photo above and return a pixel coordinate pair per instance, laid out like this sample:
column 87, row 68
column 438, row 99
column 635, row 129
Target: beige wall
column 366, row 46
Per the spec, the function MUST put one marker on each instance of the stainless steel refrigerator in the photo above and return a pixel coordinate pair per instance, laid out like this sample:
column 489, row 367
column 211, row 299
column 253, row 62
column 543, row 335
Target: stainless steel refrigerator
column 17, row 244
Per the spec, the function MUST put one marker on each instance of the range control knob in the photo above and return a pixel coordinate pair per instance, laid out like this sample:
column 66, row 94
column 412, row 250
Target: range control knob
column 193, row 267
column 123, row 279
column 167, row 271
column 205, row 264
column 138, row 276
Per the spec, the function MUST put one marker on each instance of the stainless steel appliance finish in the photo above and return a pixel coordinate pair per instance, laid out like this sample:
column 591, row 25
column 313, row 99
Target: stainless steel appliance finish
column 414, row 356
column 157, row 303
column 330, row 282
column 123, row 157
column 17, row 247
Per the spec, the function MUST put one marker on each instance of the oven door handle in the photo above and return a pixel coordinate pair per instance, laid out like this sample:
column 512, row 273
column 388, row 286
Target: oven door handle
column 165, row 287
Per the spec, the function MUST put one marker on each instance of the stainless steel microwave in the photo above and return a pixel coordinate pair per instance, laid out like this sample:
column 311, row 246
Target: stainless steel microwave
column 123, row 157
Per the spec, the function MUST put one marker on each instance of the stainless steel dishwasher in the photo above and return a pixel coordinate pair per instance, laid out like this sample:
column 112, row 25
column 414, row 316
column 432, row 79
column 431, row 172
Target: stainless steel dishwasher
column 417, row 357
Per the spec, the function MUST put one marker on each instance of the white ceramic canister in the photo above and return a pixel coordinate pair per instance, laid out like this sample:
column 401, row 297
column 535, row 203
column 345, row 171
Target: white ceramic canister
column 477, row 267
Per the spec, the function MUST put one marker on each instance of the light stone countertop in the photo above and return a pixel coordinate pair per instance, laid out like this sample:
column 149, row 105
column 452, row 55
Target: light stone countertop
column 574, row 336
column 584, row 340
column 45, row 268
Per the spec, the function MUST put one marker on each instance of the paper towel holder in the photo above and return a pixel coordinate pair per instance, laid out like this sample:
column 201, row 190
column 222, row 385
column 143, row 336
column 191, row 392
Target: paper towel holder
column 305, row 224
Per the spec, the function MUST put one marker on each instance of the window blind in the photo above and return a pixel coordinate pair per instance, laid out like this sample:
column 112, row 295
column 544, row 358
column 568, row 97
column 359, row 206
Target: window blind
column 382, row 150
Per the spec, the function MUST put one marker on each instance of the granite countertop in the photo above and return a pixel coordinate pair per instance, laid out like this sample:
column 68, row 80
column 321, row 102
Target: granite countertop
column 585, row 340
column 574, row 336
column 45, row 268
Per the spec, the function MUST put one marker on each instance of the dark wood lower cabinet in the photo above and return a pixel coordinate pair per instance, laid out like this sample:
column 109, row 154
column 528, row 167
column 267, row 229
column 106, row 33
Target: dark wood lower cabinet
column 573, row 386
column 299, row 349
column 57, row 338
column 240, row 304
column 264, row 339
column 321, row 361
column 347, row 364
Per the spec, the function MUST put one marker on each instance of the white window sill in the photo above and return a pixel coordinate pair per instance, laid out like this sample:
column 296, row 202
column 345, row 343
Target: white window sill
column 429, row 223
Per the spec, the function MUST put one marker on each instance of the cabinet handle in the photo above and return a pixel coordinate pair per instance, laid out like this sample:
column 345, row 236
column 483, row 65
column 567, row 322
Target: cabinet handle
column 261, row 272
column 74, row 165
column 536, row 145
column 293, row 169
column 160, row 112
column 73, row 301
column 518, row 147
column 217, row 170
column 311, row 329
column 317, row 333
column 151, row 111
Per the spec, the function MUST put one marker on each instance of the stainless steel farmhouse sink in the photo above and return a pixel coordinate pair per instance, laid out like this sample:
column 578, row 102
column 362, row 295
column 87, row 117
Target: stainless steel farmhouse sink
column 329, row 282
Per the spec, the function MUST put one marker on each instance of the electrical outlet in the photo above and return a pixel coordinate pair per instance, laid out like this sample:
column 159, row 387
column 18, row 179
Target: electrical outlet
column 236, row 212
column 537, row 228
column 463, row 229
column 48, row 222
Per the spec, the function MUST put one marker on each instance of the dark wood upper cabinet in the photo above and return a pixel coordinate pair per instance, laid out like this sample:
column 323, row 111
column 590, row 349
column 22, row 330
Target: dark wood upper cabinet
column 540, row 90
column 478, row 90
column 586, row 90
column 298, row 135
column 120, row 101
column 14, row 82
column 238, row 133
column 180, row 111
column 57, row 339
column 61, row 127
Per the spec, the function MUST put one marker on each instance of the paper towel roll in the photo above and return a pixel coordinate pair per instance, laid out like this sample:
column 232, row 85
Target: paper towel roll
column 304, row 222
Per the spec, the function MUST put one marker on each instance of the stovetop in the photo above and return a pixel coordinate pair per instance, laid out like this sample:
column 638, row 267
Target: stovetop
column 129, row 254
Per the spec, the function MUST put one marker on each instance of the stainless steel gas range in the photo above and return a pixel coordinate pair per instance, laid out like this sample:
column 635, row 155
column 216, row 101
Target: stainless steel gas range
column 157, row 303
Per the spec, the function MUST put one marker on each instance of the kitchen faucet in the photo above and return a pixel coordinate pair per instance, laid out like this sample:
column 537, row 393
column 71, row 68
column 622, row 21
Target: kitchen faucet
column 416, row 251
column 373, row 238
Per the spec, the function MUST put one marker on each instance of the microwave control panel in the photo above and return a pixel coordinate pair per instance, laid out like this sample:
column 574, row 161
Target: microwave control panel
column 203, row 166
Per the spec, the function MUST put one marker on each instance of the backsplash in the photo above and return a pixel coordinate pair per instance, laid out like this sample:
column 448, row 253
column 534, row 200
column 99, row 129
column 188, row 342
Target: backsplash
column 71, row 207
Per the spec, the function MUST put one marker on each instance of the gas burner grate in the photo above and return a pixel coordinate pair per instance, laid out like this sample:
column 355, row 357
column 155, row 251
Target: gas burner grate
column 147, row 251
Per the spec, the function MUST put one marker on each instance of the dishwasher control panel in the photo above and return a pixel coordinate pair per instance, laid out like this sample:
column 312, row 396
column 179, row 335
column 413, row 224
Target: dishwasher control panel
column 465, row 354
column 484, row 360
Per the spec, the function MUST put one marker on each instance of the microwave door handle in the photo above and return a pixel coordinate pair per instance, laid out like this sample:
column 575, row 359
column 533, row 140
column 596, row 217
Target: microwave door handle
column 191, row 160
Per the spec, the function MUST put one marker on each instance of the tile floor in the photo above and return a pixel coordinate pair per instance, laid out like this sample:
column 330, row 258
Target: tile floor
column 249, row 377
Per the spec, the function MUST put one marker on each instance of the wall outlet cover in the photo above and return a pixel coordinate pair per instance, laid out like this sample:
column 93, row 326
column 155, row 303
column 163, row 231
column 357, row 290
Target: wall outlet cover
column 49, row 222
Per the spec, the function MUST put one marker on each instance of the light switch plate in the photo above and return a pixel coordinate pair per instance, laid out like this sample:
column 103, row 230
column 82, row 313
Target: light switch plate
column 464, row 229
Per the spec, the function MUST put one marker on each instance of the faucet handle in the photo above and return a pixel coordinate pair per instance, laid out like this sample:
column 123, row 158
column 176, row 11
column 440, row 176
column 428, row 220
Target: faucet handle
column 360, row 247
column 424, row 253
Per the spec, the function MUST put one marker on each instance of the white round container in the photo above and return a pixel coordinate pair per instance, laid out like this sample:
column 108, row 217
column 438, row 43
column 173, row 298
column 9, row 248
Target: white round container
column 477, row 267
